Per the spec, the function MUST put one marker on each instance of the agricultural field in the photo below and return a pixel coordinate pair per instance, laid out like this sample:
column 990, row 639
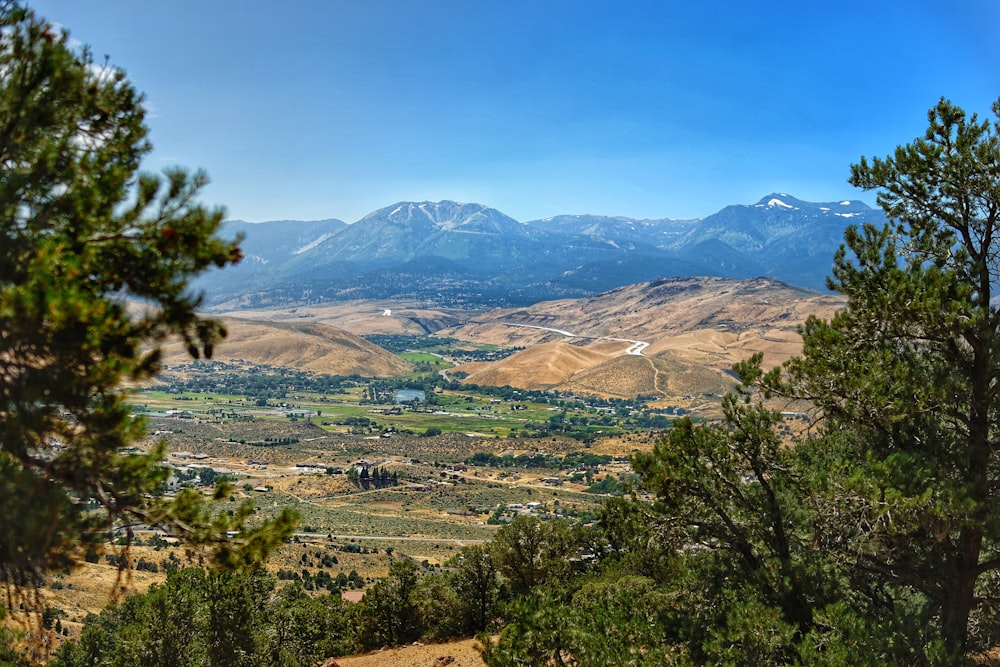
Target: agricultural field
column 367, row 475
column 372, row 477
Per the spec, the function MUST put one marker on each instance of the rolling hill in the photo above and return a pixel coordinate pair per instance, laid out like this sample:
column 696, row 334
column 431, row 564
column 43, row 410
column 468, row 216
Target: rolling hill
column 302, row 345
column 688, row 332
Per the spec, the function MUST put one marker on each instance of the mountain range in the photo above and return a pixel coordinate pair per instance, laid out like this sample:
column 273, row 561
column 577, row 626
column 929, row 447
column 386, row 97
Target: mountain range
column 471, row 255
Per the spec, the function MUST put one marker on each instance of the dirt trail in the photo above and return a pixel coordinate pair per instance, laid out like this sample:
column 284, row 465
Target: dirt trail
column 656, row 376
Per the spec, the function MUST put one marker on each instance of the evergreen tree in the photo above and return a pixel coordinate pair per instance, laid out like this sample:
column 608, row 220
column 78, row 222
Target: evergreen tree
column 727, row 492
column 477, row 585
column 874, row 541
column 389, row 613
column 95, row 264
column 214, row 619
column 909, row 372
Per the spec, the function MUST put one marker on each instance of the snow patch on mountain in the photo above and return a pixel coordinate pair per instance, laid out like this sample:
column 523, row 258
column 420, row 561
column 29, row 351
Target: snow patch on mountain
column 309, row 246
column 778, row 202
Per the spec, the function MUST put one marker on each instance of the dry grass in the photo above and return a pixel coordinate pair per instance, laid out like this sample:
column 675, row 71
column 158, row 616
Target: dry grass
column 302, row 345
column 695, row 327
column 462, row 653
column 366, row 317
column 539, row 367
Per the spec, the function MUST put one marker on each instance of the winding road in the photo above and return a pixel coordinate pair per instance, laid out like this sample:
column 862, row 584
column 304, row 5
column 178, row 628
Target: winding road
column 637, row 347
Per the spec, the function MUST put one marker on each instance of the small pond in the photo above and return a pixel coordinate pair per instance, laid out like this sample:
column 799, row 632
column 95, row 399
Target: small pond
column 408, row 395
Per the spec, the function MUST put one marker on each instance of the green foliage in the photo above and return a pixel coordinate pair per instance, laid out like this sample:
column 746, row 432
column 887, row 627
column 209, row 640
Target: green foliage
column 528, row 552
column 95, row 262
column 526, row 460
column 606, row 622
column 520, row 552
column 439, row 608
column 389, row 612
column 209, row 619
column 875, row 540
column 575, row 459
column 729, row 492
column 477, row 587
column 908, row 375
column 9, row 655
column 607, row 485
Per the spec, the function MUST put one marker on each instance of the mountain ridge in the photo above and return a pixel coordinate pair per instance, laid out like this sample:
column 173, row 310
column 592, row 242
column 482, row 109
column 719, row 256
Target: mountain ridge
column 471, row 255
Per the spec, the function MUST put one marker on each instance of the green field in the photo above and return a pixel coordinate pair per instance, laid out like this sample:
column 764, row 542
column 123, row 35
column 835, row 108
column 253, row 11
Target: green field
column 454, row 411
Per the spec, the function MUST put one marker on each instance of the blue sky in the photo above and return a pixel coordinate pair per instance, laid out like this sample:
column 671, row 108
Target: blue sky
column 312, row 109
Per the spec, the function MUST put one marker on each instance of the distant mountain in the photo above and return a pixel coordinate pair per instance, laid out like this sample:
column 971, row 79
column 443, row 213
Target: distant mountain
column 267, row 247
column 618, row 232
column 785, row 237
column 458, row 254
column 279, row 241
column 409, row 231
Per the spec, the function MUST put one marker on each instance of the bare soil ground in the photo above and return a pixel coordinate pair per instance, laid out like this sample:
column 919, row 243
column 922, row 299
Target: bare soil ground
column 462, row 653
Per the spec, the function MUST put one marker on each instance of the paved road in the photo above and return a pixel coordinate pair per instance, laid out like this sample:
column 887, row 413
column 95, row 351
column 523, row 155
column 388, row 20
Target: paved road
column 636, row 347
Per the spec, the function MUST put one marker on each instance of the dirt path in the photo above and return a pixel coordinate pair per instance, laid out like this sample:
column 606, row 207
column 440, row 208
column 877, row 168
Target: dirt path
column 462, row 654
column 656, row 376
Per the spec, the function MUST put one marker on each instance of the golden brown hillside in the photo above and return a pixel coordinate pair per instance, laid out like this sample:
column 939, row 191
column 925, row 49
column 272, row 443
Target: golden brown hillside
column 302, row 345
column 542, row 366
column 672, row 338
column 631, row 375
column 364, row 317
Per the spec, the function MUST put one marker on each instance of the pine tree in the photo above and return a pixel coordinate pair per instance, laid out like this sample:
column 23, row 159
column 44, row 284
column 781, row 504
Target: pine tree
column 910, row 373
column 95, row 264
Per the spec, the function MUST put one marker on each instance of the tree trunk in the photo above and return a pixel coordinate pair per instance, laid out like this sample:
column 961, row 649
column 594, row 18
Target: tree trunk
column 956, row 609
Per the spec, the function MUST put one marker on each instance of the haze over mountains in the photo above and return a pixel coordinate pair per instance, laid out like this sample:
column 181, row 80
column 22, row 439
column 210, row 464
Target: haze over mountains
column 470, row 255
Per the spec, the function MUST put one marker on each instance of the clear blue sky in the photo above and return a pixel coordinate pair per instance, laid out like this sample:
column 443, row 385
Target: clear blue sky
column 311, row 109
